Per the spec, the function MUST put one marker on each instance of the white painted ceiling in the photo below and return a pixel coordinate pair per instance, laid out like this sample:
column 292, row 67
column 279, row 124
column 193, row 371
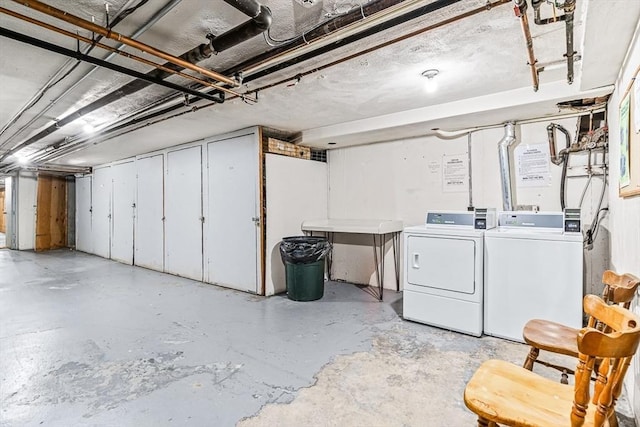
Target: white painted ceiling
column 484, row 78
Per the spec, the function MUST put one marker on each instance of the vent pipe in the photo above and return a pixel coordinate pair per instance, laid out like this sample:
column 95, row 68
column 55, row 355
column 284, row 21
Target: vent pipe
column 505, row 168
column 260, row 22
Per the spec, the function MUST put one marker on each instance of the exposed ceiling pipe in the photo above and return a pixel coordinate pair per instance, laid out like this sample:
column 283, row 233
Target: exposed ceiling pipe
column 60, row 74
column 144, row 27
column 108, row 33
column 322, row 30
column 82, row 57
column 85, row 110
column 125, row 126
column 237, row 35
column 521, row 12
column 115, row 51
column 260, row 22
column 505, row 166
column 569, row 8
column 326, row 44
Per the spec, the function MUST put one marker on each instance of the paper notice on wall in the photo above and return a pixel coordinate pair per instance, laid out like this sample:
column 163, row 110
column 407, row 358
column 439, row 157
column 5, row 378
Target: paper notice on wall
column 455, row 173
column 532, row 165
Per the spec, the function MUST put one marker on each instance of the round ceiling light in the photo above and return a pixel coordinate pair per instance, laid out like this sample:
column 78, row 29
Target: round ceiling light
column 430, row 85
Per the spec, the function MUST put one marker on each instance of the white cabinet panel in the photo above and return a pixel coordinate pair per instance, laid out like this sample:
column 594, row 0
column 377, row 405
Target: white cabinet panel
column 84, row 242
column 149, row 235
column 231, row 242
column 101, row 218
column 183, row 211
column 124, row 180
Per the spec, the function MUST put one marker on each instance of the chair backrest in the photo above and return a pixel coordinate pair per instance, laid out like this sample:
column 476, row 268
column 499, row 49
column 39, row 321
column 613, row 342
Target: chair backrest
column 619, row 288
column 615, row 345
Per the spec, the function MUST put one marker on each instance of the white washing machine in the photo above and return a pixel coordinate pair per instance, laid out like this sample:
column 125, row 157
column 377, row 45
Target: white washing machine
column 533, row 269
column 443, row 260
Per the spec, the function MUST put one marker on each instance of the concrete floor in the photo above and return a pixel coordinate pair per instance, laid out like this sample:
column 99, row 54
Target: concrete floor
column 3, row 240
column 89, row 342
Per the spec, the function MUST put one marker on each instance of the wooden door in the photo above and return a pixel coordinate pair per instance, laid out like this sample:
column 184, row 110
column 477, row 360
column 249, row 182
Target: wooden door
column 232, row 223
column 149, row 241
column 51, row 214
column 183, row 211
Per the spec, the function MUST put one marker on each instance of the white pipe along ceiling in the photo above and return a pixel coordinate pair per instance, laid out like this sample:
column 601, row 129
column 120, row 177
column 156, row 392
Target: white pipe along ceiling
column 95, row 82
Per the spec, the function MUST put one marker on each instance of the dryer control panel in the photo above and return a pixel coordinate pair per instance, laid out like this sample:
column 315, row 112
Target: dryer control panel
column 479, row 219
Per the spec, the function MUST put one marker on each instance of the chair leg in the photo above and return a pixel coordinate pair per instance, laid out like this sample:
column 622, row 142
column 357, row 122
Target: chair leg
column 613, row 419
column 486, row 423
column 531, row 358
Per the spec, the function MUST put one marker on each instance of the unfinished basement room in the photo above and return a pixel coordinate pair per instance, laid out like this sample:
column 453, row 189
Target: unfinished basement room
column 331, row 213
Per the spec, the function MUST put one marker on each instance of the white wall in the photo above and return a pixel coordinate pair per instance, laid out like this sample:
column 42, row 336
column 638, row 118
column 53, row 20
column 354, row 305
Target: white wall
column 9, row 208
column 403, row 179
column 26, row 209
column 624, row 222
column 296, row 190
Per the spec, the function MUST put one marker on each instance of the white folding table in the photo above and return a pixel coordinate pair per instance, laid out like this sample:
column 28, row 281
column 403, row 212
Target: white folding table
column 378, row 228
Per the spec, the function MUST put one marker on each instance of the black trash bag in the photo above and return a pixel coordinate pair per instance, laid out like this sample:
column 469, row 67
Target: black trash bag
column 304, row 249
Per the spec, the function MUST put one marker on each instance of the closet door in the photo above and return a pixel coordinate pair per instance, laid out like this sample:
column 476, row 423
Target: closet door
column 183, row 212
column 149, row 241
column 101, row 218
column 83, row 214
column 232, row 229
column 124, row 185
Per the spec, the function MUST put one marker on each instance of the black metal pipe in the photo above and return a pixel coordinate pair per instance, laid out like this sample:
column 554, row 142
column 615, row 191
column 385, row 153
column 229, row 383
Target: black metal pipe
column 147, row 80
column 111, row 131
column 321, row 30
column 260, row 22
column 413, row 14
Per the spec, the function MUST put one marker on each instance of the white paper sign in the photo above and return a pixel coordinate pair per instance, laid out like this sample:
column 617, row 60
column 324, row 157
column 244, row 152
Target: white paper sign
column 532, row 165
column 455, row 173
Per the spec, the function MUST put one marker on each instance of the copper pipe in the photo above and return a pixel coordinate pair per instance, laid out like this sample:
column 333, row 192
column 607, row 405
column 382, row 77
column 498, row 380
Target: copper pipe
column 114, row 50
column 521, row 12
column 105, row 32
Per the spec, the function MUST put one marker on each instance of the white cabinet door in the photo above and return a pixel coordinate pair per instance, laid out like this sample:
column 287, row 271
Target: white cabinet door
column 101, row 218
column 231, row 242
column 124, row 180
column 83, row 214
column 183, row 212
column 149, row 234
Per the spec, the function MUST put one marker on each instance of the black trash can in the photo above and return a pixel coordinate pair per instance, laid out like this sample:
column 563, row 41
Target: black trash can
column 303, row 258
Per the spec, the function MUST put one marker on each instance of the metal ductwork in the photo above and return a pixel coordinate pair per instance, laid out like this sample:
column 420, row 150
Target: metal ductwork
column 505, row 166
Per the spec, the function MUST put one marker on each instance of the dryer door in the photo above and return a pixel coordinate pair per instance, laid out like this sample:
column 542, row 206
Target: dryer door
column 442, row 262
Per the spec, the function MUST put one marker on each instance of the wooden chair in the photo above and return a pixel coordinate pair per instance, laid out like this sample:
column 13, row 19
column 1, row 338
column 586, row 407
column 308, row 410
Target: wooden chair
column 557, row 338
column 502, row 393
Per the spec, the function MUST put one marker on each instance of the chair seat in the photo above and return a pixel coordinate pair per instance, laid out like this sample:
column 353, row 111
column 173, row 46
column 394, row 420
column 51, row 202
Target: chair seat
column 551, row 336
column 520, row 397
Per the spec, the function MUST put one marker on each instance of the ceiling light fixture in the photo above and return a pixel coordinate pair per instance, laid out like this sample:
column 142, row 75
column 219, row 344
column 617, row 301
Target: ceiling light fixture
column 431, row 85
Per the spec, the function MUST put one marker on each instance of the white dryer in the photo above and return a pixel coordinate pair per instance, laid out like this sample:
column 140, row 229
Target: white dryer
column 443, row 260
column 533, row 270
